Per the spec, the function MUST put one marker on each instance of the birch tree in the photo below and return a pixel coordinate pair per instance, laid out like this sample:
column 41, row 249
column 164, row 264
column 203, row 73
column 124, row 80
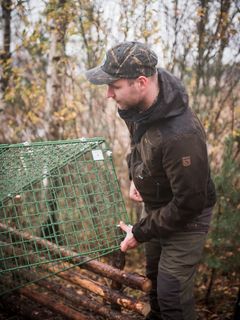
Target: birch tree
column 58, row 21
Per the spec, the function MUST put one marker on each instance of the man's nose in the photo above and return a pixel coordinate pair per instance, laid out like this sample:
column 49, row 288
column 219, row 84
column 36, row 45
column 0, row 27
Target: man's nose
column 110, row 92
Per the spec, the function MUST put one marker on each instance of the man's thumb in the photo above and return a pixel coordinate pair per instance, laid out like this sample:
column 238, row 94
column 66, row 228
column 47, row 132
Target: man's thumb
column 124, row 227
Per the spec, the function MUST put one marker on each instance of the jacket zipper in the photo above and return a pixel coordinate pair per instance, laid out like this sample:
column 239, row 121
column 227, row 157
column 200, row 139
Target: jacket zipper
column 157, row 183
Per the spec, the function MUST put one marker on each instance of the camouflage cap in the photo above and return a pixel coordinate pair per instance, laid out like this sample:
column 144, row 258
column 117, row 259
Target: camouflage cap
column 126, row 60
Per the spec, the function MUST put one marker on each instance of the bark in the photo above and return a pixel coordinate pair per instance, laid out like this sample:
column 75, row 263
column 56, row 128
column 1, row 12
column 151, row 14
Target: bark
column 76, row 278
column 201, row 46
column 134, row 281
column 72, row 294
column 105, row 292
column 55, row 70
column 53, row 304
column 6, row 53
column 22, row 308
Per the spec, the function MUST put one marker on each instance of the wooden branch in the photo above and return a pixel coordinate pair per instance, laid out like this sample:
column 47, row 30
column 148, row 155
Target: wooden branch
column 72, row 294
column 105, row 292
column 134, row 281
column 75, row 277
column 52, row 303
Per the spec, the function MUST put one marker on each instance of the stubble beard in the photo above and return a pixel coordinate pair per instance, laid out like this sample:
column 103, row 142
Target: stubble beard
column 137, row 106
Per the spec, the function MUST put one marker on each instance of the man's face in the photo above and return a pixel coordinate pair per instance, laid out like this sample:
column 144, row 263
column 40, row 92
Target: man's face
column 126, row 93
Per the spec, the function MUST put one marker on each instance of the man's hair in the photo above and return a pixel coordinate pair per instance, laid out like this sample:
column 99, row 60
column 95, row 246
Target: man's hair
column 132, row 80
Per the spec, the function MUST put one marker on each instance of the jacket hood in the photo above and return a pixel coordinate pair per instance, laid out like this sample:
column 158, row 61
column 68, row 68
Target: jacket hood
column 172, row 101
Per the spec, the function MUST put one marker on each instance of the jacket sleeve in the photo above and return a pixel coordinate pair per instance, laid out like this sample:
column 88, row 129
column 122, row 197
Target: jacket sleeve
column 185, row 163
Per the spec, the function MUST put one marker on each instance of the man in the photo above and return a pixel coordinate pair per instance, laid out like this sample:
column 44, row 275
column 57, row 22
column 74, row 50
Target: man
column 169, row 172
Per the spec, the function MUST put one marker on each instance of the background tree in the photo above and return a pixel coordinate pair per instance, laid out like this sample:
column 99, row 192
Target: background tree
column 6, row 6
column 223, row 247
column 57, row 13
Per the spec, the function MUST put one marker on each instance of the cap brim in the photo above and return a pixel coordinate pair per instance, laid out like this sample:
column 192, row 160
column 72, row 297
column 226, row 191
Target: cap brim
column 98, row 76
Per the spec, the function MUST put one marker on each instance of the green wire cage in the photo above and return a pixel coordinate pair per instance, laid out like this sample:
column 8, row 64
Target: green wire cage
column 59, row 202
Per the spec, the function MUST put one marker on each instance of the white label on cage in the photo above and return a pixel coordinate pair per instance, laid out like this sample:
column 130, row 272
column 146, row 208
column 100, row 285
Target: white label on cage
column 97, row 155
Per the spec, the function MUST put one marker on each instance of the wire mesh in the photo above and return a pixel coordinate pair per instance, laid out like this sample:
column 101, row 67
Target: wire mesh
column 60, row 202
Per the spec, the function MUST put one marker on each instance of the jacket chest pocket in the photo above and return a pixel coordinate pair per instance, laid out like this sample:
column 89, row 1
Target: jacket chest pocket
column 150, row 153
column 150, row 186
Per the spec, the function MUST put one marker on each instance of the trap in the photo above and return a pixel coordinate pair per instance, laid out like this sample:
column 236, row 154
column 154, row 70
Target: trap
column 60, row 204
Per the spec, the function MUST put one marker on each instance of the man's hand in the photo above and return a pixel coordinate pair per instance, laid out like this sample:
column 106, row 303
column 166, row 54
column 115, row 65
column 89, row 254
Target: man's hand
column 129, row 242
column 134, row 194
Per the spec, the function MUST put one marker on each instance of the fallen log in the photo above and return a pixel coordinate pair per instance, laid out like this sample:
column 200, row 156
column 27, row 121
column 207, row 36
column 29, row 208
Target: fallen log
column 72, row 294
column 53, row 304
column 105, row 292
column 21, row 308
column 134, row 281
column 108, row 294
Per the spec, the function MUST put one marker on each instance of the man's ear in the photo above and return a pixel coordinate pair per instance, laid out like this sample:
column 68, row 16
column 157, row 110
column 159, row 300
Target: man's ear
column 142, row 81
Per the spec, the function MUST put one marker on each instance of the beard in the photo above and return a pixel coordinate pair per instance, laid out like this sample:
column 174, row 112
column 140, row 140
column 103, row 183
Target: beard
column 137, row 106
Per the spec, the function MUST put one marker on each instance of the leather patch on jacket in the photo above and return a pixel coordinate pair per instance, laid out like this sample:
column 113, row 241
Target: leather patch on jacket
column 186, row 161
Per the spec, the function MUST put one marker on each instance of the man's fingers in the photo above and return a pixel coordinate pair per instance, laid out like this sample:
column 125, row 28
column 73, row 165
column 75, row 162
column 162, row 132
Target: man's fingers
column 127, row 242
column 124, row 226
column 123, row 246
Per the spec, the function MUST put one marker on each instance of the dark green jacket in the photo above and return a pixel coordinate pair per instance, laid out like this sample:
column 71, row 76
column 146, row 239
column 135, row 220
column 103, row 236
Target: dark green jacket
column 169, row 163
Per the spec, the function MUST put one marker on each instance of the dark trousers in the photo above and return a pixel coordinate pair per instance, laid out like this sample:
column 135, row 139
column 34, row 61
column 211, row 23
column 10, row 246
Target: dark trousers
column 171, row 265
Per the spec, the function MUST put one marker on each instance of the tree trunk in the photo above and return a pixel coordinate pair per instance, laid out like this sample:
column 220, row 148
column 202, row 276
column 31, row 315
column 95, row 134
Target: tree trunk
column 55, row 70
column 6, row 6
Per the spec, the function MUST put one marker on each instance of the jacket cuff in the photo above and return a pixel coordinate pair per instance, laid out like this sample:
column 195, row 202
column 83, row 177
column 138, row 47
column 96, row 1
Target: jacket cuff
column 139, row 235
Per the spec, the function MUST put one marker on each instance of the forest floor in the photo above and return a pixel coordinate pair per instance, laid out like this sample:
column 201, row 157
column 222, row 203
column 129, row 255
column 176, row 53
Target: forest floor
column 219, row 306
